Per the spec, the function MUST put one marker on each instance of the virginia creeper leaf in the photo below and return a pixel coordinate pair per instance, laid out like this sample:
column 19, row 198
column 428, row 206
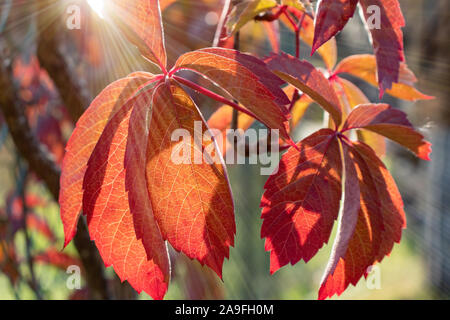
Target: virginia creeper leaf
column 191, row 200
column 56, row 258
column 301, row 201
column 365, row 67
column 141, row 23
column 328, row 51
column 247, row 79
column 111, row 224
column 380, row 222
column 387, row 40
column 391, row 123
column 349, row 216
column 82, row 142
column 304, row 76
column 331, row 18
column 244, row 11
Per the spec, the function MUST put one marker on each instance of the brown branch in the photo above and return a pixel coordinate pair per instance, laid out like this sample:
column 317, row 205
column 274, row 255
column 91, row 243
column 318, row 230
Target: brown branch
column 43, row 165
column 51, row 28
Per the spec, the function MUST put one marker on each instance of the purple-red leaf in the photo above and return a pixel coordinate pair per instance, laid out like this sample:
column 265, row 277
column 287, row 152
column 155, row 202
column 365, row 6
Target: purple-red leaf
column 331, row 18
column 364, row 66
column 391, row 123
column 387, row 39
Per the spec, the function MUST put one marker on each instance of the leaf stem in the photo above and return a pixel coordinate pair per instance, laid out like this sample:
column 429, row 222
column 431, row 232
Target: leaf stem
column 213, row 95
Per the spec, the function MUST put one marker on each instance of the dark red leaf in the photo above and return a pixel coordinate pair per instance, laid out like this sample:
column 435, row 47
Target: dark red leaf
column 301, row 201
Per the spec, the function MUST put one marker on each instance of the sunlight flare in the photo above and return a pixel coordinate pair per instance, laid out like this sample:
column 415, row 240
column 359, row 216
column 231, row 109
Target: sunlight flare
column 98, row 6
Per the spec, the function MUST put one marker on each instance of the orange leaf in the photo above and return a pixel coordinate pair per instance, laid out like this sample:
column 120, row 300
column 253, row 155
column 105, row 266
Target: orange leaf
column 365, row 67
column 111, row 223
column 191, row 200
column 349, row 216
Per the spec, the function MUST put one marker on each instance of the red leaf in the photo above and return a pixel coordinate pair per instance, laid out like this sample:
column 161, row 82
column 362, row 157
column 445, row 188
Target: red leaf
column 331, row 18
column 81, row 144
column 191, row 201
column 364, row 66
column 380, row 222
column 141, row 22
column 57, row 259
column 301, row 201
column 244, row 77
column 111, row 224
column 387, row 40
column 349, row 216
column 391, row 123
column 309, row 80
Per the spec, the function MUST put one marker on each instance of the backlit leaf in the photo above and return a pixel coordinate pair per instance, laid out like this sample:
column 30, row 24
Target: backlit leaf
column 391, row 123
column 244, row 11
column 380, row 222
column 246, row 79
column 301, row 201
column 82, row 142
column 141, row 23
column 365, row 67
column 111, row 224
column 387, row 39
column 304, row 76
column 331, row 18
column 191, row 201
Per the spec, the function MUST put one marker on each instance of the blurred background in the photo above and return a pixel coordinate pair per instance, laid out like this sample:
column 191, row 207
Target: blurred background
column 46, row 65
